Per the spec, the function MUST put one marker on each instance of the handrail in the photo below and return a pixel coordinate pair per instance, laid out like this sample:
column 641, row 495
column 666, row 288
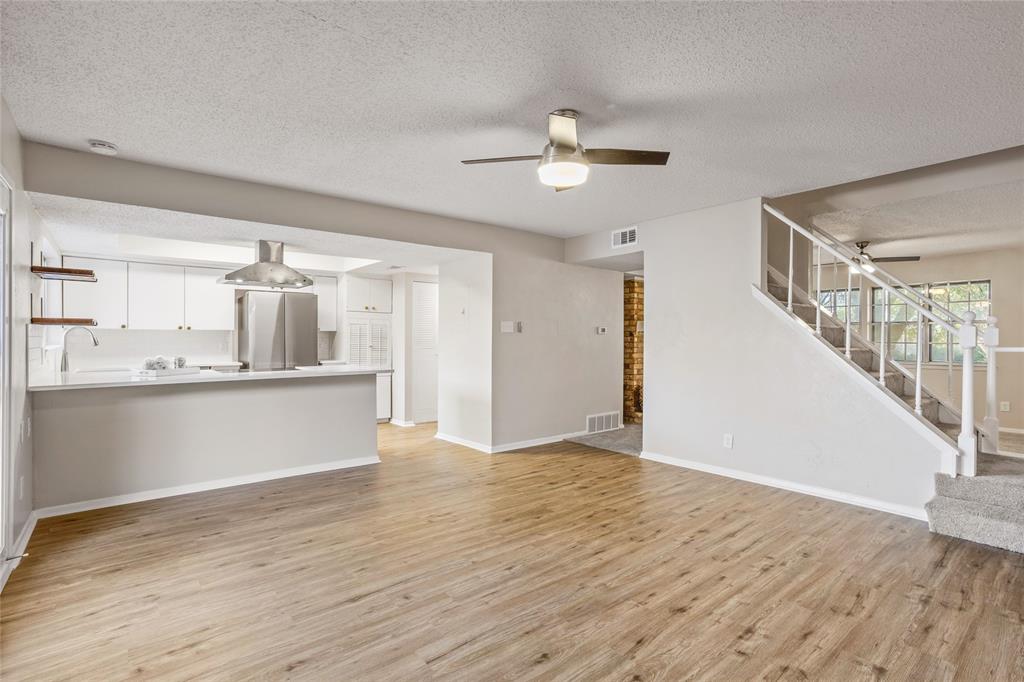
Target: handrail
column 864, row 273
column 930, row 301
column 963, row 329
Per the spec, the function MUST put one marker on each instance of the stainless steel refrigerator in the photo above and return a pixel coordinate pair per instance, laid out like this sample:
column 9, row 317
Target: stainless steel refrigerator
column 276, row 330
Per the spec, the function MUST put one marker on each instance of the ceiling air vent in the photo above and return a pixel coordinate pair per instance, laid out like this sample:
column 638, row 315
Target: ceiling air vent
column 624, row 237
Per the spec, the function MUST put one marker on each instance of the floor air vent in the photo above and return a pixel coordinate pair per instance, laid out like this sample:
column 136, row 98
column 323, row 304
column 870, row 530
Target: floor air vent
column 602, row 422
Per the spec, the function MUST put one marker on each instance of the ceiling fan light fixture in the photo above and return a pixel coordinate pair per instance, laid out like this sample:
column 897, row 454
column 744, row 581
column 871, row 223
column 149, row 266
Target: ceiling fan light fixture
column 561, row 168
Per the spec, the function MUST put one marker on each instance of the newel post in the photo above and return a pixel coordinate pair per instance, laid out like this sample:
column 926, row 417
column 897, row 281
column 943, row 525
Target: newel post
column 967, row 442
column 990, row 424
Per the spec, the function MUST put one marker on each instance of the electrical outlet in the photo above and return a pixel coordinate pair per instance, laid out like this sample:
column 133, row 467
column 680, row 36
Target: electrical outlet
column 21, row 488
column 602, row 330
column 1004, row 406
column 727, row 441
column 28, row 427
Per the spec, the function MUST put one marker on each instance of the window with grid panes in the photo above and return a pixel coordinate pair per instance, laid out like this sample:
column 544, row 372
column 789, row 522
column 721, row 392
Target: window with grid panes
column 901, row 332
column 835, row 303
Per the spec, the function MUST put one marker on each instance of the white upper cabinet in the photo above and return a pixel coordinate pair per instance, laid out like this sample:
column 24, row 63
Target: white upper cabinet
column 156, row 296
column 367, row 295
column 357, row 294
column 380, row 295
column 106, row 299
column 208, row 304
column 326, row 290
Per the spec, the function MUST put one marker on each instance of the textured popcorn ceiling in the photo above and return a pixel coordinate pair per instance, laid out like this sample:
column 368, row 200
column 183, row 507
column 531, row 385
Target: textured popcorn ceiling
column 977, row 219
column 379, row 101
column 95, row 227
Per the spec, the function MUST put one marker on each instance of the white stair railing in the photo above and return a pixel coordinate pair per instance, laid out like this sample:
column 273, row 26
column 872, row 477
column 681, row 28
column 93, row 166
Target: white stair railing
column 990, row 424
column 961, row 328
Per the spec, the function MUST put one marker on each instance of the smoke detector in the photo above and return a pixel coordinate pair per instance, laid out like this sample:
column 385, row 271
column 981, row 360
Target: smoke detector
column 103, row 147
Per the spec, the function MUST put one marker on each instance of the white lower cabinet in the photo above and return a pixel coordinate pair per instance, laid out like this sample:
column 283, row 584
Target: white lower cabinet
column 383, row 396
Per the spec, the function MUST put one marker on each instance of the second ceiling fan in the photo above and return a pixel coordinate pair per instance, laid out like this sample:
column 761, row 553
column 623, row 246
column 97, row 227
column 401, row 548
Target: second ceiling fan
column 565, row 164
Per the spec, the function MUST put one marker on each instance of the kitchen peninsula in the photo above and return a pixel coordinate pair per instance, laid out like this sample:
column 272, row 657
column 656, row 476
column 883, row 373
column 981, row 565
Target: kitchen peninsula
column 106, row 438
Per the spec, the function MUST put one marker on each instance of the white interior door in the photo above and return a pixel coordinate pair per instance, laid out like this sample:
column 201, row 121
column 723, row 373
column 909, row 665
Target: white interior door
column 424, row 352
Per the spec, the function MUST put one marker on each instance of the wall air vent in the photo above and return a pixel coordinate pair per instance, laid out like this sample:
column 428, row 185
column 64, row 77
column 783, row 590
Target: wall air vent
column 609, row 421
column 624, row 237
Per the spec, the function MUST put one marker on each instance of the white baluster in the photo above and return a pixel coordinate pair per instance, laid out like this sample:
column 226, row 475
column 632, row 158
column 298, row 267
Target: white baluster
column 789, row 294
column 849, row 309
column 967, row 442
column 990, row 424
column 885, row 334
column 817, row 286
column 920, row 360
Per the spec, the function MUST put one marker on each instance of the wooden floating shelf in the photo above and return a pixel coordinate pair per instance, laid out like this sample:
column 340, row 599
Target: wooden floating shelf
column 65, row 321
column 66, row 274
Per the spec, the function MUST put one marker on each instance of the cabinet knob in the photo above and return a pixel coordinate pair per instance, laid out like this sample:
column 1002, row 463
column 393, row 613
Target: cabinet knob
column 374, row 307
column 366, row 307
column 179, row 326
column 188, row 327
column 124, row 326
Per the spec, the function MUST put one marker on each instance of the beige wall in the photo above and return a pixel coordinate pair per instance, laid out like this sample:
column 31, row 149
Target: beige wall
column 27, row 229
column 718, row 361
column 558, row 370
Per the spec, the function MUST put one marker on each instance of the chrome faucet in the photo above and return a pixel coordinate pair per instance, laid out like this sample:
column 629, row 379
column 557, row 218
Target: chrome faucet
column 64, row 353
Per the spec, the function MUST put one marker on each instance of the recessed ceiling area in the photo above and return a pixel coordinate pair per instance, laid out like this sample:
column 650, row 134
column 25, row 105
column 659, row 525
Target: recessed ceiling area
column 976, row 219
column 97, row 228
column 380, row 101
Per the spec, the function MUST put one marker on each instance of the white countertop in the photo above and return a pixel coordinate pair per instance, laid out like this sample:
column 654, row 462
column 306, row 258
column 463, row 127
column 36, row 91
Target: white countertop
column 116, row 379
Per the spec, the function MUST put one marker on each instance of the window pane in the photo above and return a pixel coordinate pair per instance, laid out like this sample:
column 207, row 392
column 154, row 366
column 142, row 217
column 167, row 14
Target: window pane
column 938, row 353
column 959, row 292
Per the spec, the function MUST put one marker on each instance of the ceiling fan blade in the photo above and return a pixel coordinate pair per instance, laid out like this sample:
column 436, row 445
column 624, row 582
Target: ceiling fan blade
column 632, row 157
column 562, row 189
column 562, row 129
column 503, row 159
column 897, row 259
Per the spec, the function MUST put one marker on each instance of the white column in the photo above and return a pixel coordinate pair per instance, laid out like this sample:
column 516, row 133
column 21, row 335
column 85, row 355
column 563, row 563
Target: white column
column 817, row 293
column 885, row 336
column 789, row 293
column 990, row 424
column 849, row 308
column 920, row 359
column 967, row 442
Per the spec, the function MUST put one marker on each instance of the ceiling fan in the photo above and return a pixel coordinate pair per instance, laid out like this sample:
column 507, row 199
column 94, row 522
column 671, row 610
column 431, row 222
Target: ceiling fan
column 866, row 260
column 565, row 164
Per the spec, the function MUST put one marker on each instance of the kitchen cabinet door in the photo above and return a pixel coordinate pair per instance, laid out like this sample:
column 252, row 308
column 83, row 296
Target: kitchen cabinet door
column 358, row 334
column 383, row 396
column 105, row 300
column 380, row 344
column 380, row 295
column 156, row 296
column 326, row 290
column 208, row 304
column 357, row 294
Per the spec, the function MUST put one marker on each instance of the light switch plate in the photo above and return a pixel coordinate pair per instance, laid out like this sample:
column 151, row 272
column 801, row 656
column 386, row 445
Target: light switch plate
column 602, row 330
column 508, row 327
column 727, row 441
column 1004, row 406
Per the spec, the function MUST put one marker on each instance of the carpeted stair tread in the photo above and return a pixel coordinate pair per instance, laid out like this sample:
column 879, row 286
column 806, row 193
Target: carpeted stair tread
column 978, row 522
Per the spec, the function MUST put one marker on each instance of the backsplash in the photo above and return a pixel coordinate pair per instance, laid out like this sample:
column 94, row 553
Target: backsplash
column 129, row 347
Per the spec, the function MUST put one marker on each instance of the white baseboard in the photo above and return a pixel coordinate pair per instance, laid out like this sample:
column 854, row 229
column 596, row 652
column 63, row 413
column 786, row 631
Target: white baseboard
column 1009, row 430
column 505, row 447
column 535, row 441
column 20, row 544
column 142, row 496
column 826, row 493
column 463, row 442
column 399, row 422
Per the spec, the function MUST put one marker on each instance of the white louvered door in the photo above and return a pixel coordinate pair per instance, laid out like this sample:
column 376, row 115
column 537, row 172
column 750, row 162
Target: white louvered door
column 358, row 343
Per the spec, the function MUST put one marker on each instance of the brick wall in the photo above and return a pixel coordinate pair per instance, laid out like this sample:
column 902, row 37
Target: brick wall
column 633, row 361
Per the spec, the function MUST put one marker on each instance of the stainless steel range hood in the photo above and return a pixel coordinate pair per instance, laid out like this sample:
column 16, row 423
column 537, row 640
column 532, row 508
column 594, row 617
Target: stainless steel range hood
column 269, row 270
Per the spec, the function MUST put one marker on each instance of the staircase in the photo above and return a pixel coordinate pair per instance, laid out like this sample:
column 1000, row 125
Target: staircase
column 987, row 507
